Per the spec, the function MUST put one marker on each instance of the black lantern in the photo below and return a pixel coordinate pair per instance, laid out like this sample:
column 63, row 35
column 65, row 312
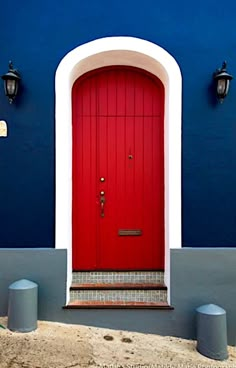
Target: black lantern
column 222, row 79
column 11, row 82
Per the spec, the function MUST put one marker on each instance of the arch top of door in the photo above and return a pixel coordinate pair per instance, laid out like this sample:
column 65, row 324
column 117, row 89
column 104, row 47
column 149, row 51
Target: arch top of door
column 99, row 53
column 119, row 51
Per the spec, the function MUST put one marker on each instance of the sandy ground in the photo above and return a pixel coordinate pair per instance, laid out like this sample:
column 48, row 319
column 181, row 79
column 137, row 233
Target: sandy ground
column 60, row 345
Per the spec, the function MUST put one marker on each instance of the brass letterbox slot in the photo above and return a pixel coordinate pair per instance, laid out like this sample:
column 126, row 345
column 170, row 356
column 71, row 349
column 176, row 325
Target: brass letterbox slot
column 135, row 232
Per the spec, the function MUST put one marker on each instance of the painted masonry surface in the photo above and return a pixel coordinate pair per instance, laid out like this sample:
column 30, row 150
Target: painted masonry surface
column 202, row 270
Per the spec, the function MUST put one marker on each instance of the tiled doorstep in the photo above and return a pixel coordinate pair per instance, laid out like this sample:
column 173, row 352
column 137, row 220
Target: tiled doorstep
column 119, row 289
column 119, row 295
column 118, row 277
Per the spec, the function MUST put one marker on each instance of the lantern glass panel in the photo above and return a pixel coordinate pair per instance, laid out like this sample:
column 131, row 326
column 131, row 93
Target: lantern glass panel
column 227, row 87
column 221, row 87
column 11, row 87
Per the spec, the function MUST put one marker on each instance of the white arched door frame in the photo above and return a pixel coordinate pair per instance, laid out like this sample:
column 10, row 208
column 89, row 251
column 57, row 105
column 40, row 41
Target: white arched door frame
column 118, row 51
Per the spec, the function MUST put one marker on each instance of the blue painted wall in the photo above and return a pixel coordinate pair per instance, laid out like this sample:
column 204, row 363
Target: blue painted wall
column 36, row 39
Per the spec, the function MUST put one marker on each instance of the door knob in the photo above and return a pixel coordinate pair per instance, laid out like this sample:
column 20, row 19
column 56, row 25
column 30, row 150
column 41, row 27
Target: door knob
column 102, row 193
column 102, row 180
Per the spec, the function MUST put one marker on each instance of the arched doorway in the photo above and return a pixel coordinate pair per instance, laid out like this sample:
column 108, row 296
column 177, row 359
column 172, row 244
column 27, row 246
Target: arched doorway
column 118, row 170
column 129, row 51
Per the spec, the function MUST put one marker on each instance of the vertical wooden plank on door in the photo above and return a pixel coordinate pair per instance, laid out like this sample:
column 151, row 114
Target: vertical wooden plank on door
column 102, row 185
column 143, row 184
column 102, row 110
column 158, row 190
column 84, row 179
column 130, row 93
column 108, row 224
column 121, row 98
column 121, row 187
column 149, row 204
column 112, row 92
column 158, row 173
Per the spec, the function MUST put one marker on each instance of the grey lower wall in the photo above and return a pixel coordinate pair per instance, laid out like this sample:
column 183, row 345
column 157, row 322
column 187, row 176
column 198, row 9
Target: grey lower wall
column 46, row 267
column 201, row 276
column 198, row 276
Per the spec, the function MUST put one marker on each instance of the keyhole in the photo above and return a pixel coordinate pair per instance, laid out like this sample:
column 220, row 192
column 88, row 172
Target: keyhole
column 130, row 157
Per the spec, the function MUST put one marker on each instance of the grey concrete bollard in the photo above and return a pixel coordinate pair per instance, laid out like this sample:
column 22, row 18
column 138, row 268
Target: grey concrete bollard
column 23, row 306
column 212, row 332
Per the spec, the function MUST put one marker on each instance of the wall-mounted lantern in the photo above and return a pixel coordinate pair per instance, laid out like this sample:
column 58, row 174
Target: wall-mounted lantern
column 222, row 79
column 11, row 82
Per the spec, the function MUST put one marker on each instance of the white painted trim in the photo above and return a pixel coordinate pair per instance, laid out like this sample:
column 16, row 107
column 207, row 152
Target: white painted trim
column 119, row 51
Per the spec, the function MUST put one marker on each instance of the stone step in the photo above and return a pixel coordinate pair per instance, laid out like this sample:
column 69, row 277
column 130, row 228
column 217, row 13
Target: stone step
column 119, row 295
column 79, row 304
column 108, row 277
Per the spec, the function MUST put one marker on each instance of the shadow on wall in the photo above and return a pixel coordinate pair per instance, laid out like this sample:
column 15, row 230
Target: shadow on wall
column 211, row 94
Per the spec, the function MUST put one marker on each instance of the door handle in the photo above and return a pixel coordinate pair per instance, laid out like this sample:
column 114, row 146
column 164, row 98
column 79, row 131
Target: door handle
column 102, row 205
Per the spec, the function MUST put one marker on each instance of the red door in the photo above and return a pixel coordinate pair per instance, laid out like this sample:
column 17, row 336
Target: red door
column 118, row 170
